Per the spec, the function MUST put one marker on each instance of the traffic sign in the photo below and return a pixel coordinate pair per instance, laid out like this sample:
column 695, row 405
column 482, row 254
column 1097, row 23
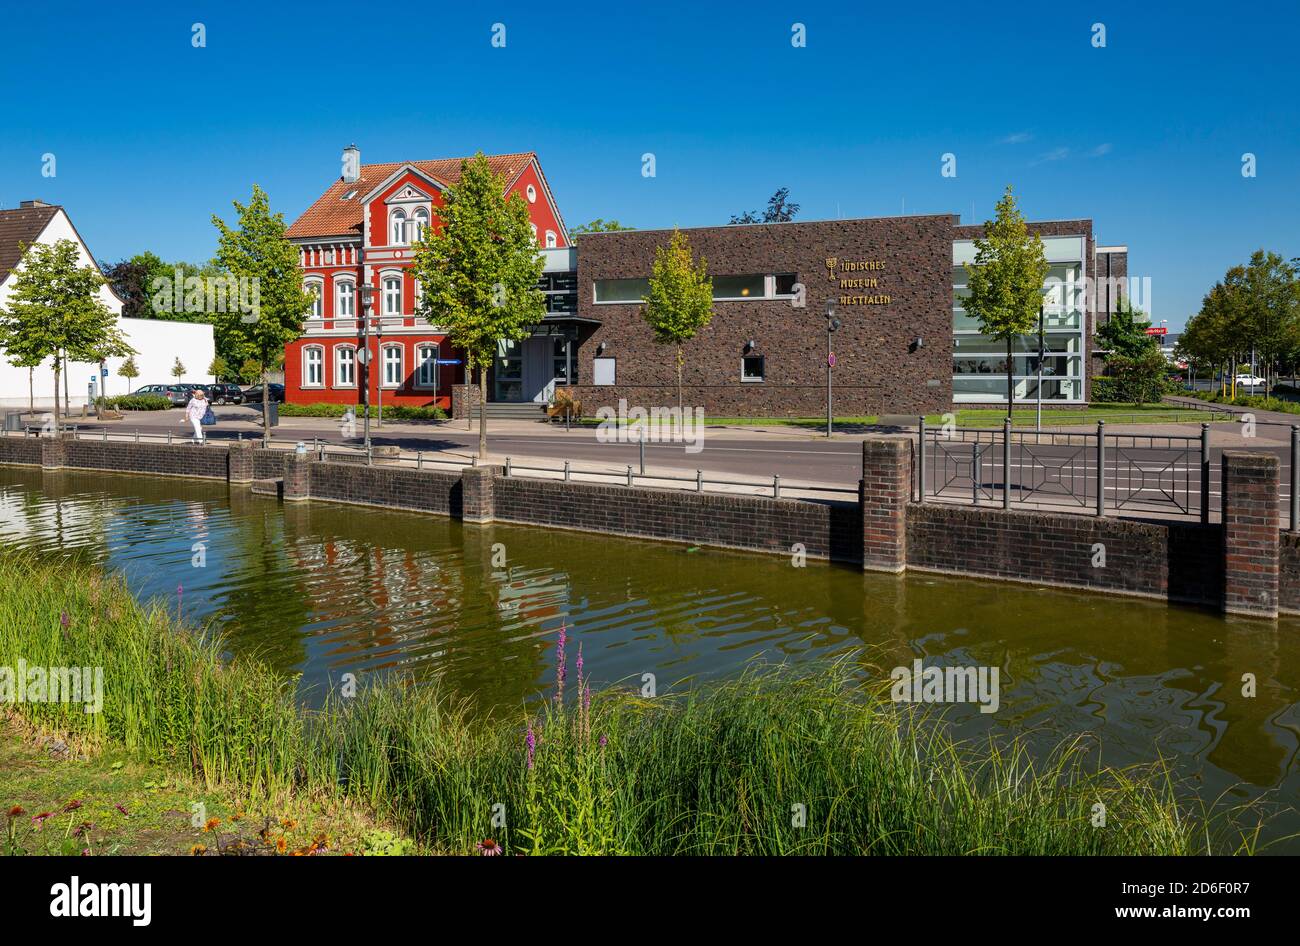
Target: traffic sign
column 830, row 359
column 1157, row 330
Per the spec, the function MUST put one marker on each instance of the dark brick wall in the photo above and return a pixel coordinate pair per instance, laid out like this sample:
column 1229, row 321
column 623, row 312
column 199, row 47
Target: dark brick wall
column 826, row 530
column 398, row 487
column 875, row 370
column 1289, row 573
column 1178, row 561
column 884, row 492
column 183, row 459
column 267, row 464
column 20, row 450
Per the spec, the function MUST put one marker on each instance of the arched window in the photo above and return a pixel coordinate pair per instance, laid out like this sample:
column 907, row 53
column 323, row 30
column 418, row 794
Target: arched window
column 532, row 194
column 345, row 366
column 419, row 296
column 345, row 299
column 392, row 364
column 392, row 295
column 313, row 288
column 420, row 220
column 397, row 229
column 551, row 240
column 313, row 366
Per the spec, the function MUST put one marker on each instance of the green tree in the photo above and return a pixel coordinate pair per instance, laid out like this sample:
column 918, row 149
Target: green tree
column 55, row 312
column 599, row 225
column 1138, row 378
column 250, row 372
column 128, row 370
column 1271, row 316
column 257, row 250
column 680, row 300
column 779, row 210
column 1005, row 282
column 178, row 369
column 218, row 368
column 1125, row 334
column 479, row 268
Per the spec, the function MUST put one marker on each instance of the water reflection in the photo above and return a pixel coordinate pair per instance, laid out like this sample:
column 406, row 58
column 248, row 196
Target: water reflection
column 320, row 590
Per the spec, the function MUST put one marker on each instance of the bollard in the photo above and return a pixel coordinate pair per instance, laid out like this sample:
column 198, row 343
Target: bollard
column 370, row 455
column 105, row 435
column 1101, row 468
column 776, row 486
column 419, row 459
column 507, row 466
column 1006, row 463
column 566, row 471
column 1295, row 477
column 1205, row 473
column 699, row 481
column 137, row 435
column 641, row 447
column 169, row 437
column 629, row 474
column 920, row 458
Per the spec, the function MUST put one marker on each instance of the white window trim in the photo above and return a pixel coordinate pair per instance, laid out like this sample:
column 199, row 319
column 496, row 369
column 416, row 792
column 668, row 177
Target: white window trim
column 758, row 380
column 419, row 366
column 338, row 367
column 383, row 365
column 316, row 283
column 396, row 214
column 384, row 277
column 305, row 373
column 339, row 283
column 531, row 193
column 552, row 239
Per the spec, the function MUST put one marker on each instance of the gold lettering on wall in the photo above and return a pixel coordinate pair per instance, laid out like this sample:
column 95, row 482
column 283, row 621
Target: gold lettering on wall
column 835, row 266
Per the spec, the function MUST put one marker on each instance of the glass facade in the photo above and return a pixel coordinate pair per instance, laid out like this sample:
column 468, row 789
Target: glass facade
column 979, row 370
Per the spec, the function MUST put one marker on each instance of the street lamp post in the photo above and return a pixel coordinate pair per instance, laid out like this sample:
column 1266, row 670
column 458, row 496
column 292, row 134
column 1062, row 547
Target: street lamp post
column 379, row 388
column 1038, row 419
column 367, row 292
column 832, row 324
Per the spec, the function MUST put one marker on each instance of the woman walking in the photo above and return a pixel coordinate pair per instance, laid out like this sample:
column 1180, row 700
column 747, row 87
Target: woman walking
column 197, row 408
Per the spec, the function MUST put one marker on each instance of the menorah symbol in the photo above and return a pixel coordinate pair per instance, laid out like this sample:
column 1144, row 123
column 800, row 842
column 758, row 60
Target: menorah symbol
column 831, row 263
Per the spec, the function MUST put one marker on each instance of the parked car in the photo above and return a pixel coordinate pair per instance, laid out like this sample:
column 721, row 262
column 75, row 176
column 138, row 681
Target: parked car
column 178, row 394
column 225, row 394
column 1250, row 380
column 253, row 395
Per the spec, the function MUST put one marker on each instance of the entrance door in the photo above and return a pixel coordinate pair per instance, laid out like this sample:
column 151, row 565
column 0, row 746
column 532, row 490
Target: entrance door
column 538, row 368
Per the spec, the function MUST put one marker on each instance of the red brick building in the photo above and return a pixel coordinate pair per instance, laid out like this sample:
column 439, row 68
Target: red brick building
column 360, row 232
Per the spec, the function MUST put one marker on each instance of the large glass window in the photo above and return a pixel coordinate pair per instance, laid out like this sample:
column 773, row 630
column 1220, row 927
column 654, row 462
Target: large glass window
column 393, row 295
column 427, row 355
column 314, row 290
column 397, row 228
column 508, row 376
column 725, row 288
column 738, row 287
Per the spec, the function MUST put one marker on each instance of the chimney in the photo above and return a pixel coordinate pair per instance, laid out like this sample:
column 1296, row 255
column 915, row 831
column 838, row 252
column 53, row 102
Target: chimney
column 351, row 164
column 28, row 204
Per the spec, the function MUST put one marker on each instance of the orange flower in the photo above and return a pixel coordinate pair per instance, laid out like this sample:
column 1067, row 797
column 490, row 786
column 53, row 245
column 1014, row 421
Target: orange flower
column 281, row 844
column 198, row 850
column 288, row 823
column 17, row 811
column 212, row 824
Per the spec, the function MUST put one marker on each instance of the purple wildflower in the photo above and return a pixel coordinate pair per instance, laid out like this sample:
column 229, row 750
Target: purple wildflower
column 122, row 810
column 603, row 740
column 561, row 668
column 586, row 699
column 530, row 740
column 64, row 619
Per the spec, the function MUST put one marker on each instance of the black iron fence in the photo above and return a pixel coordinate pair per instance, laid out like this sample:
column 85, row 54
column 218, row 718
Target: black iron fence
column 1099, row 471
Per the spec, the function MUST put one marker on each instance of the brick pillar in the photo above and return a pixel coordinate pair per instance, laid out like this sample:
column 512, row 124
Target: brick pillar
column 53, row 452
column 239, row 464
column 477, row 495
column 297, row 477
column 1250, row 533
column 884, row 492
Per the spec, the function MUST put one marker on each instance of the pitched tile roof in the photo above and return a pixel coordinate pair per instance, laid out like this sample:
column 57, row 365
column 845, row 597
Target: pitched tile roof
column 333, row 216
column 19, row 227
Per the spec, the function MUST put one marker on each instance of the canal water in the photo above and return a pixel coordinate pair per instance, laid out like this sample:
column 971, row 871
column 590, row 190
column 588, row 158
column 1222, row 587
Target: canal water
column 320, row 590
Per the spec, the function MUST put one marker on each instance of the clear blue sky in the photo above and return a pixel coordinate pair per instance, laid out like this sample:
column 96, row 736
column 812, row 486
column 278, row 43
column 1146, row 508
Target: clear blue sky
column 1144, row 136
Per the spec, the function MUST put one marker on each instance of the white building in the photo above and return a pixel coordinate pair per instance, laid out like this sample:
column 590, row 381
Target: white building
column 157, row 343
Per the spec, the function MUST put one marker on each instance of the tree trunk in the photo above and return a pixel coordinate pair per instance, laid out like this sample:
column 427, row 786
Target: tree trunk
column 67, row 400
column 1011, row 383
column 680, row 359
column 56, row 394
column 482, row 411
column 31, row 391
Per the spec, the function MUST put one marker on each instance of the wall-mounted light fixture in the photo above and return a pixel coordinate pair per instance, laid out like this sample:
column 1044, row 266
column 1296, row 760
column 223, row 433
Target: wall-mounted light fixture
column 917, row 344
column 750, row 345
column 600, row 349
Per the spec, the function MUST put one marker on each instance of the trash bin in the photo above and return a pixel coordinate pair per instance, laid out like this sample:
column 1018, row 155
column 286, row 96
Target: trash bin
column 272, row 412
column 13, row 420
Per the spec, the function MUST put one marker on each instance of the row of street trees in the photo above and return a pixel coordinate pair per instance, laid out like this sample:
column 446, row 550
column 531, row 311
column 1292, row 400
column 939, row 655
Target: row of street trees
column 1254, row 309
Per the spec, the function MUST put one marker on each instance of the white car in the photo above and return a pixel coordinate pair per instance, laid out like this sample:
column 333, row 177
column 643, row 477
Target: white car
column 1250, row 380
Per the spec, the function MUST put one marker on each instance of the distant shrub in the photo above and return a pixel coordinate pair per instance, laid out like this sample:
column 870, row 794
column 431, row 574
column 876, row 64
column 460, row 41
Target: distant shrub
column 136, row 402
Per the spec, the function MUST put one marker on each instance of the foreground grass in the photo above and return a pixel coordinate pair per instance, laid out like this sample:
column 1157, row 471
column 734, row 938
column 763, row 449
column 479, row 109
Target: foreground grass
column 772, row 763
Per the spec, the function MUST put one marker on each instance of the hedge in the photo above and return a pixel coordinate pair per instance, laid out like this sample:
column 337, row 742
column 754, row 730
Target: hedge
column 392, row 412
column 136, row 402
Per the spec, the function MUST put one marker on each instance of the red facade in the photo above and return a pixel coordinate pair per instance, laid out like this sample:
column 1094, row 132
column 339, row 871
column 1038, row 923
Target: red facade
column 360, row 232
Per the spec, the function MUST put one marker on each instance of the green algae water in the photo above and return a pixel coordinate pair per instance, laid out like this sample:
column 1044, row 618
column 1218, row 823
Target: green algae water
column 320, row 591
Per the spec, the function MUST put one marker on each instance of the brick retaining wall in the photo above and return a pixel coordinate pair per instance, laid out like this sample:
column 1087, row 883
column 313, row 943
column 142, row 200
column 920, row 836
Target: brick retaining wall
column 1244, row 566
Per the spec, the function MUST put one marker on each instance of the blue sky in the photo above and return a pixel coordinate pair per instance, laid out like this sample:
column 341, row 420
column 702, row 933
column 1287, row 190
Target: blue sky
column 1145, row 136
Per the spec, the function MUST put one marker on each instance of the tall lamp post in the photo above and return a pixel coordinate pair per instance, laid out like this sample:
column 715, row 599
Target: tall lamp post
column 832, row 324
column 367, row 300
column 1038, row 418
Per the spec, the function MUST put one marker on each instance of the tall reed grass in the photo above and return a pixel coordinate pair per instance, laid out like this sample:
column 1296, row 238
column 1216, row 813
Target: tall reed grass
column 775, row 762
